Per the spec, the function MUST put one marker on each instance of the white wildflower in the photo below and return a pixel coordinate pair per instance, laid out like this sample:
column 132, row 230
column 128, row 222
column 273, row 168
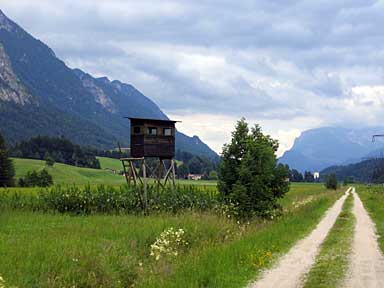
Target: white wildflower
column 168, row 243
column 2, row 282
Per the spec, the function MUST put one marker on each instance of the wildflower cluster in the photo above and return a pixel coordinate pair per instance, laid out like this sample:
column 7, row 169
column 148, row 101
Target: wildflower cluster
column 306, row 201
column 2, row 282
column 228, row 210
column 261, row 258
column 169, row 243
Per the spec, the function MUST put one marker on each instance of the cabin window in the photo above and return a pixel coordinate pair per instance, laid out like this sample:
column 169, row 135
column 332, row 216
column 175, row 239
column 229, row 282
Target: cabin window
column 152, row 131
column 167, row 131
column 136, row 130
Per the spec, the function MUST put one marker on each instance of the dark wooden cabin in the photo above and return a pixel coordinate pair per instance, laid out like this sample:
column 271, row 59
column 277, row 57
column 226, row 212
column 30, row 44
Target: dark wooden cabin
column 152, row 138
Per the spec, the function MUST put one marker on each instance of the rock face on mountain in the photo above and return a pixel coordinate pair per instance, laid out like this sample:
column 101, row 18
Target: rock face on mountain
column 319, row 148
column 40, row 95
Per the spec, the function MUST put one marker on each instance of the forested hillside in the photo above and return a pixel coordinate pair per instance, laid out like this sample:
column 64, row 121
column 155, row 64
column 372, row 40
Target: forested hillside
column 368, row 171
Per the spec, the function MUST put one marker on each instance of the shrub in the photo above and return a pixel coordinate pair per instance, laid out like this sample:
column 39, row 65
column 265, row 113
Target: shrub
column 249, row 175
column 331, row 181
column 36, row 179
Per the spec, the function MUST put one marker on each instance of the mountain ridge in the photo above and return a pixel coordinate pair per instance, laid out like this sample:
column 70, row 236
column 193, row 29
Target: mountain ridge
column 319, row 148
column 40, row 95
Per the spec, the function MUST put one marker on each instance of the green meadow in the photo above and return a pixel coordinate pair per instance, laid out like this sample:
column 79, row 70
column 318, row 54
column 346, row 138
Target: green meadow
column 46, row 249
column 66, row 174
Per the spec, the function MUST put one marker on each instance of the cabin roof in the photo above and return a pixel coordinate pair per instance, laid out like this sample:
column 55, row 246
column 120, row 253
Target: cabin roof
column 152, row 120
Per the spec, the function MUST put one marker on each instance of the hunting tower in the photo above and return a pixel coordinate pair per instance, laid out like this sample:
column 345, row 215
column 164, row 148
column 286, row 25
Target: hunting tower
column 150, row 138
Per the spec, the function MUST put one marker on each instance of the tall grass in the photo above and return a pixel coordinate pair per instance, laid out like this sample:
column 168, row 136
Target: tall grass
column 55, row 251
column 110, row 200
column 238, row 262
column 58, row 250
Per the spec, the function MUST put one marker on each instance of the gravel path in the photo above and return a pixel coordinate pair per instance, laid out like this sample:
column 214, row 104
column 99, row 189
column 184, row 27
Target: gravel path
column 367, row 261
column 291, row 269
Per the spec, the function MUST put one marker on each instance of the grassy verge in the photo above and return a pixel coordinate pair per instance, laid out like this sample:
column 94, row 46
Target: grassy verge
column 301, row 193
column 236, row 263
column 332, row 261
column 373, row 200
column 43, row 250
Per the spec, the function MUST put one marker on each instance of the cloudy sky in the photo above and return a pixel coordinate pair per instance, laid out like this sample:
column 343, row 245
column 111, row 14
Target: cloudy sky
column 287, row 65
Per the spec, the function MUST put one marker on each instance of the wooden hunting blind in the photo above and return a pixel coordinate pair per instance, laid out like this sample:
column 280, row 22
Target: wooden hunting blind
column 152, row 138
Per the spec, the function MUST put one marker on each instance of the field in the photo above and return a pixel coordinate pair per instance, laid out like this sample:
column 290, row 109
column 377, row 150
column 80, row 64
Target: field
column 55, row 250
column 91, row 232
column 66, row 174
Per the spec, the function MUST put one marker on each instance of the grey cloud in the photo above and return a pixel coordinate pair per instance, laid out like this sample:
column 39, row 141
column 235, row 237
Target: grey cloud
column 264, row 59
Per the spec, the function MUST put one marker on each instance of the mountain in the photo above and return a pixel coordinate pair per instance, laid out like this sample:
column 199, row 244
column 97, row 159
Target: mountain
column 40, row 95
column 319, row 148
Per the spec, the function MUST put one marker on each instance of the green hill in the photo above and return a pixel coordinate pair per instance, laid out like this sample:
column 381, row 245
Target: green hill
column 110, row 163
column 66, row 174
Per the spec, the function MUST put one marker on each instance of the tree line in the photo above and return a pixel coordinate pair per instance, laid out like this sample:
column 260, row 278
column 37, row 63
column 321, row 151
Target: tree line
column 195, row 165
column 297, row 176
column 7, row 170
column 57, row 149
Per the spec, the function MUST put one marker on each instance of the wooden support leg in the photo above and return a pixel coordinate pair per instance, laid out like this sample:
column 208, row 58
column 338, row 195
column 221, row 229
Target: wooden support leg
column 133, row 172
column 127, row 174
column 159, row 174
column 145, row 188
column 167, row 175
column 173, row 173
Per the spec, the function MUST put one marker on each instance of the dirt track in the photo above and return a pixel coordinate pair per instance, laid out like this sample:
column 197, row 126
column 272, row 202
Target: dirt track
column 367, row 261
column 291, row 269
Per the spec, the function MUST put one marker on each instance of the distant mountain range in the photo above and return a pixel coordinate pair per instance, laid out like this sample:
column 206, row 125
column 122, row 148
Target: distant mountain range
column 40, row 95
column 320, row 148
